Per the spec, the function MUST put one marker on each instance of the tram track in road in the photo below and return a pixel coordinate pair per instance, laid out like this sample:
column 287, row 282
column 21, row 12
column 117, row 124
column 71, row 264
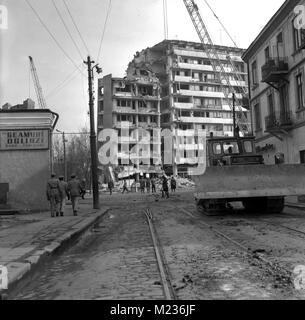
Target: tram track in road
column 168, row 289
column 284, row 273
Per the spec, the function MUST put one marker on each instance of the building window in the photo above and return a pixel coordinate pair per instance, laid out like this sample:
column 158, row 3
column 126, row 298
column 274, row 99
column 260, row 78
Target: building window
column 299, row 80
column 254, row 73
column 267, row 54
column 284, row 104
column 257, row 116
column 101, row 106
column 271, row 104
column 280, row 45
column 298, row 37
column 302, row 156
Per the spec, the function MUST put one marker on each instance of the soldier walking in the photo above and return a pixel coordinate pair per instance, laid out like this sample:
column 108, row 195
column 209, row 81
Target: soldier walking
column 53, row 194
column 74, row 189
column 63, row 193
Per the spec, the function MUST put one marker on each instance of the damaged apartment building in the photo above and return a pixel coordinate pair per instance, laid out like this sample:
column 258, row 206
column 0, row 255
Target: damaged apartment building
column 131, row 105
column 191, row 93
column 173, row 85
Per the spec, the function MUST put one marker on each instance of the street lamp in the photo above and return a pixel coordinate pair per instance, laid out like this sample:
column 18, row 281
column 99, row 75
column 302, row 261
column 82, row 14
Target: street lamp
column 65, row 159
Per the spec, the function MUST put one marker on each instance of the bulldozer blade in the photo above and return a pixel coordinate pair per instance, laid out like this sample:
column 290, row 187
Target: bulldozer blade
column 234, row 182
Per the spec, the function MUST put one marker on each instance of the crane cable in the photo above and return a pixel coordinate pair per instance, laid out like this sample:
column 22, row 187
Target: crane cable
column 165, row 19
column 224, row 28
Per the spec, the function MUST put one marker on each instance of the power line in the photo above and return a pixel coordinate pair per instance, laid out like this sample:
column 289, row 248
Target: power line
column 67, row 29
column 103, row 33
column 50, row 33
column 76, row 27
column 58, row 90
column 63, row 83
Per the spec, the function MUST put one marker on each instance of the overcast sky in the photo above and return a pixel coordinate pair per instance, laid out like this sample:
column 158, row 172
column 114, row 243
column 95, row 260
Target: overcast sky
column 132, row 26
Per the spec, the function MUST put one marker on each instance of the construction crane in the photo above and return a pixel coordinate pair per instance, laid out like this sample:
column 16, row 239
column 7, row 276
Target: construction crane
column 216, row 62
column 40, row 97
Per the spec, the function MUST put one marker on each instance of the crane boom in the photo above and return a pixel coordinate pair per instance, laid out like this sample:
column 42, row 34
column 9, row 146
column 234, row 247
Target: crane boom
column 215, row 59
column 40, row 97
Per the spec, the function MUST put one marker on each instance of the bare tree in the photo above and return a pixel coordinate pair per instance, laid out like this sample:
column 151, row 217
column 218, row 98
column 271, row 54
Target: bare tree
column 78, row 156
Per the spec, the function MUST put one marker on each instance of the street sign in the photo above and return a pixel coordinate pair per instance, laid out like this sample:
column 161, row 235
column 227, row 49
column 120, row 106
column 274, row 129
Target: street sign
column 24, row 140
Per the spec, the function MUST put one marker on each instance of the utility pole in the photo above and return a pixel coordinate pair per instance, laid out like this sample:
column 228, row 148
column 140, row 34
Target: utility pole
column 93, row 142
column 65, row 157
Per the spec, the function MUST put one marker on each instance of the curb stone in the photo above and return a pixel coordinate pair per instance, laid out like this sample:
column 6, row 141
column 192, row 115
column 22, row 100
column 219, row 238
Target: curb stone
column 18, row 270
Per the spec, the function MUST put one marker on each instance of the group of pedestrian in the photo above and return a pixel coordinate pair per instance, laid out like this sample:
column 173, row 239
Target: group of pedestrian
column 165, row 189
column 58, row 190
column 148, row 185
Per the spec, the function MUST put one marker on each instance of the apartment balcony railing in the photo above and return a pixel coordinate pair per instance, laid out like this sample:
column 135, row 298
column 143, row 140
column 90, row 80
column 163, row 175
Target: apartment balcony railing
column 148, row 111
column 279, row 122
column 124, row 110
column 274, row 70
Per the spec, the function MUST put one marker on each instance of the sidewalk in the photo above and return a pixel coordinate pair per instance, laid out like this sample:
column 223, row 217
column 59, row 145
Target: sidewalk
column 26, row 240
column 300, row 206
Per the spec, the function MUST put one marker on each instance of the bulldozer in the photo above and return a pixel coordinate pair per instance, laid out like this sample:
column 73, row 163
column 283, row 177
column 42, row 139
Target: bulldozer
column 236, row 173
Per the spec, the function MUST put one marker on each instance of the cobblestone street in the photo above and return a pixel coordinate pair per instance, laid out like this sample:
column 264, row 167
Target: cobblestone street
column 116, row 258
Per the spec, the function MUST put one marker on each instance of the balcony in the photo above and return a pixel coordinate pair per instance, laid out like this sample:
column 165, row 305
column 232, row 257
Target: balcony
column 204, row 94
column 279, row 123
column 274, row 71
column 124, row 110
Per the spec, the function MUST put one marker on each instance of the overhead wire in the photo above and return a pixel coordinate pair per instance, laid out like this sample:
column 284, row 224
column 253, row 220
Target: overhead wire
column 60, row 86
column 104, row 30
column 51, row 34
column 67, row 29
column 76, row 27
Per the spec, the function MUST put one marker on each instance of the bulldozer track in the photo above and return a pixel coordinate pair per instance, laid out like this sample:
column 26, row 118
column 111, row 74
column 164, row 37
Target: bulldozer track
column 285, row 273
column 168, row 289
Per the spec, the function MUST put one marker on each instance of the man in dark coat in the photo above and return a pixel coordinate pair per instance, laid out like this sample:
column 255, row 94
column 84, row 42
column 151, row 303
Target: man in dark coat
column 165, row 188
column 173, row 184
column 53, row 194
column 74, row 189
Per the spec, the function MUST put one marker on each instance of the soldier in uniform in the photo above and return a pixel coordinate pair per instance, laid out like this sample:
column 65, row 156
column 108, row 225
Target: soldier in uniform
column 53, row 191
column 63, row 187
column 74, row 189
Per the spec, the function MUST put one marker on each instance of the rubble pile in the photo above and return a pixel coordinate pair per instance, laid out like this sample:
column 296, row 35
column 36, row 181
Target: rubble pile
column 185, row 183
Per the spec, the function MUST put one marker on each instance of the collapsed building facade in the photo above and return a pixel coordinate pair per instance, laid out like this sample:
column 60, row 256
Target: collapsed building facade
column 172, row 85
column 131, row 105
column 192, row 96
